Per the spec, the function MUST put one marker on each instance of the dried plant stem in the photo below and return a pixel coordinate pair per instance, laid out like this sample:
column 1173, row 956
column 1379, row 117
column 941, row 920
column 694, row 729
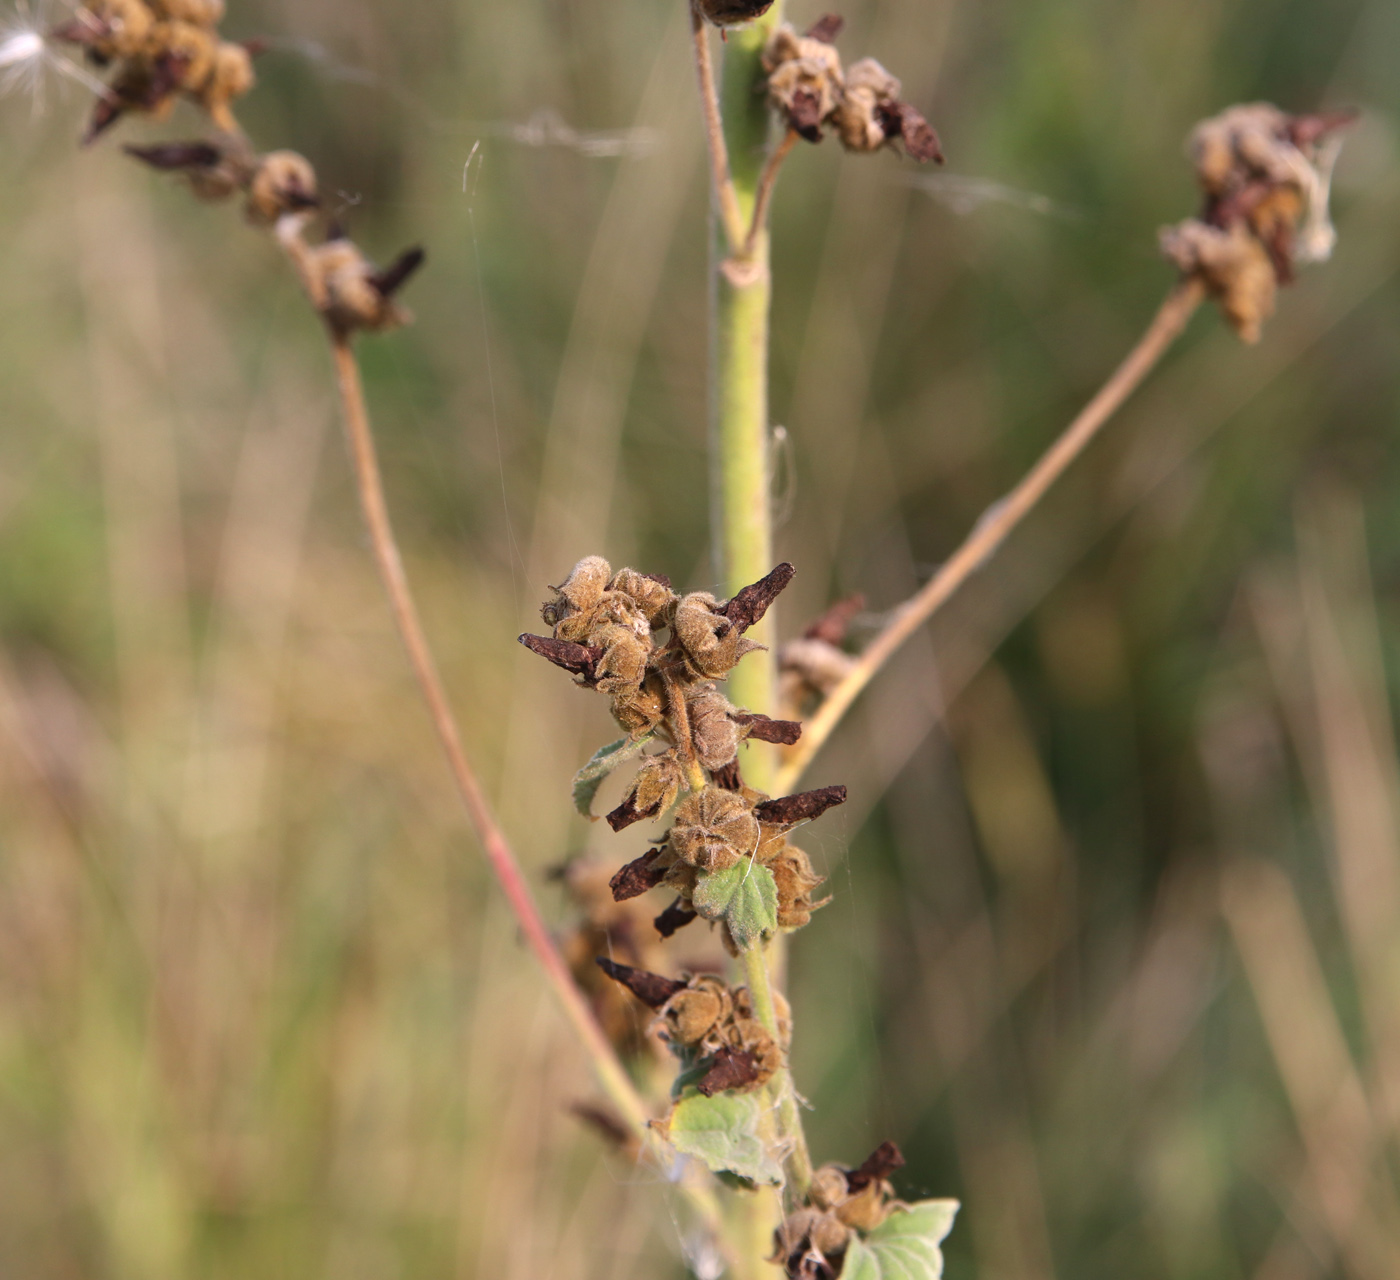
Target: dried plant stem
column 994, row 528
column 766, row 183
column 731, row 217
column 611, row 1076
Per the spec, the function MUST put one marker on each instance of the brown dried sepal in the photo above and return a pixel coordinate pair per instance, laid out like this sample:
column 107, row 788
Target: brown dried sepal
column 787, row 811
column 212, row 171
column 655, row 789
column 749, row 605
column 826, row 28
column 639, row 876
column 872, row 115
column 783, row 733
column 651, row 989
column 732, row 1069
column 577, row 659
column 674, row 918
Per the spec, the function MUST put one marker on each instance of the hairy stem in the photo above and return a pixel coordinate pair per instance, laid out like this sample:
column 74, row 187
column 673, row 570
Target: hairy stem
column 996, row 525
column 731, row 216
column 798, row 1160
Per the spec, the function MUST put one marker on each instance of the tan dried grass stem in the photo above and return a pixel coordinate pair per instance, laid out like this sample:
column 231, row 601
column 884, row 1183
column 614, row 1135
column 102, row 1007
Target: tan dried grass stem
column 609, row 1071
column 994, row 528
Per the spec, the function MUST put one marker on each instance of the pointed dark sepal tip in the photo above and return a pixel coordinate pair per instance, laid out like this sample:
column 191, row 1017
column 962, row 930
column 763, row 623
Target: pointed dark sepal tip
column 650, row 988
column 826, row 28
column 879, row 1164
column 782, row 733
column 636, row 877
column 732, row 1069
column 748, row 606
column 627, row 813
column 175, row 155
column 389, row 281
column 674, row 918
column 803, row 807
column 577, row 659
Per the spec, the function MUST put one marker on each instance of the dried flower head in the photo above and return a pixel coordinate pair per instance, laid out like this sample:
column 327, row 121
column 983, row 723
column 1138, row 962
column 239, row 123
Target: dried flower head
column 353, row 294
column 805, row 82
column 1266, row 176
column 714, row 829
column 282, row 183
column 657, row 784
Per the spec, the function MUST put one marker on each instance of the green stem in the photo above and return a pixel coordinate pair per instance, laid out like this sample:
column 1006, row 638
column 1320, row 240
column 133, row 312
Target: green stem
column 740, row 434
column 798, row 1159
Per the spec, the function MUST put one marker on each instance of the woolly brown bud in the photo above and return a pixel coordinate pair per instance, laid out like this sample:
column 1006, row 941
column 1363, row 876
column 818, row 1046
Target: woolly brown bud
column 809, row 1244
column 203, row 13
column 714, row 734
column 109, row 29
column 230, row 77
column 283, row 182
column 579, row 593
column 655, row 789
column 795, row 878
column 691, row 1015
column 354, row 294
column 714, row 829
column 712, row 643
column 871, row 115
column 1233, row 265
column 624, row 661
column 652, row 597
column 641, row 709
column 804, row 80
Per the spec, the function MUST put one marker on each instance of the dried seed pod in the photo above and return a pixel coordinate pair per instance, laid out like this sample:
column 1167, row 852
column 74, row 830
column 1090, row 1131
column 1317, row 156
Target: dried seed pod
column 714, row 829
column 871, row 115
column 804, row 80
column 691, row 1016
column 230, row 77
column 109, row 29
column 655, row 789
column 213, row 172
column 1233, row 265
column 652, row 597
column 732, row 13
column 283, row 182
column 203, row 13
column 792, row 870
column 713, row 732
column 641, row 709
column 712, row 644
column 580, row 592
column 809, row 1245
column 355, row 295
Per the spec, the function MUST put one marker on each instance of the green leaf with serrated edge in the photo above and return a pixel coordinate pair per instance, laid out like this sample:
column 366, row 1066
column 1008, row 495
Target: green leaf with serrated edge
column 588, row 779
column 904, row 1246
column 724, row 1132
column 745, row 897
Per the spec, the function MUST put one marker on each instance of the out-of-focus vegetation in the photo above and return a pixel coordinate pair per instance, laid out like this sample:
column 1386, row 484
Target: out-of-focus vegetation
column 1114, row 947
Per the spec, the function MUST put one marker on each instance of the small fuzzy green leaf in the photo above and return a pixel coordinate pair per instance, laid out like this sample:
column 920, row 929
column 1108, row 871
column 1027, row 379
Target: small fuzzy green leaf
column 724, row 1132
column 745, row 897
column 904, row 1246
column 588, row 779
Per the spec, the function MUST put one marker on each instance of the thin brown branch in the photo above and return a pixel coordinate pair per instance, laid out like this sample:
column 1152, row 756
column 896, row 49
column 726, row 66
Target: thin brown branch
column 730, row 215
column 611, row 1075
column 994, row 528
column 764, row 194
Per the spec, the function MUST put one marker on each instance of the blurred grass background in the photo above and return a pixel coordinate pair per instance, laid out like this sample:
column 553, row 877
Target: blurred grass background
column 1115, row 951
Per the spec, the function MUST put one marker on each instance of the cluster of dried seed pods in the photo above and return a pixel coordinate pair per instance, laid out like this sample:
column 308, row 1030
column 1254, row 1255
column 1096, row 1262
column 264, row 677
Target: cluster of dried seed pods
column 811, row 1243
column 159, row 51
column 711, row 1027
column 162, row 50
column 658, row 655
column 861, row 104
column 1266, row 177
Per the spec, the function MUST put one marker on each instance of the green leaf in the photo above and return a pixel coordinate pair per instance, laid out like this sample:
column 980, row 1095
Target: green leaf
column 588, row 779
column 725, row 1133
column 745, row 897
column 904, row 1246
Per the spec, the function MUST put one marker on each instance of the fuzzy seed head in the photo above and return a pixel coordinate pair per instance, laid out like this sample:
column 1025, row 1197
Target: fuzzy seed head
column 713, row 645
column 714, row 829
column 715, row 736
column 691, row 1015
column 284, row 182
